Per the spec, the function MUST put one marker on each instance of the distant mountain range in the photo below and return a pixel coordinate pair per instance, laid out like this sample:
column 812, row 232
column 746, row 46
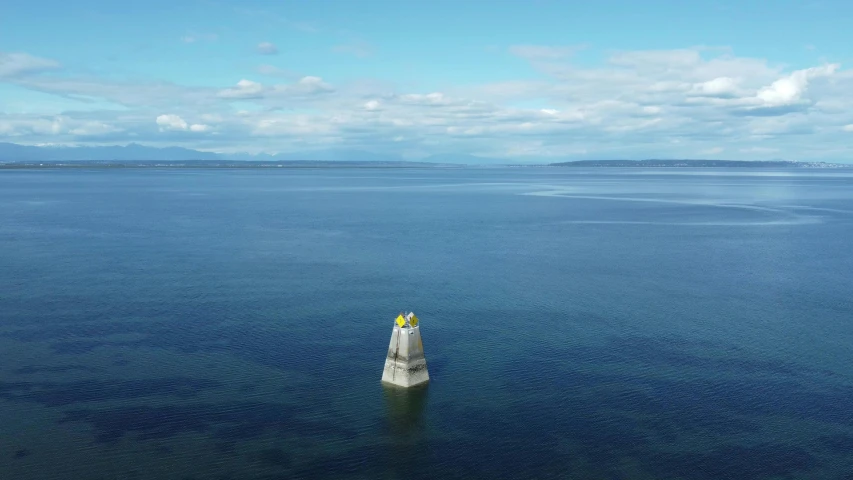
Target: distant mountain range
column 10, row 152
column 694, row 163
column 139, row 155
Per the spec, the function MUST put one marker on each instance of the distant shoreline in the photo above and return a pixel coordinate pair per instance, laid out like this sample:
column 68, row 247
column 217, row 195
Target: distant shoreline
column 212, row 164
column 243, row 164
column 698, row 163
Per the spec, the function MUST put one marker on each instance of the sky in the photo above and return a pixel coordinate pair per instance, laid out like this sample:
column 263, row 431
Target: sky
column 515, row 80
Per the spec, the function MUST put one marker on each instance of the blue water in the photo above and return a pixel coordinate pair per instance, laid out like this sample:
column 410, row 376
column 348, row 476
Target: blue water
column 577, row 323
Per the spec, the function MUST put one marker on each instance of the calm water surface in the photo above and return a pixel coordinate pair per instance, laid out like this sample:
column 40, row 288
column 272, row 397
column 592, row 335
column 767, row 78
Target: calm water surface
column 579, row 324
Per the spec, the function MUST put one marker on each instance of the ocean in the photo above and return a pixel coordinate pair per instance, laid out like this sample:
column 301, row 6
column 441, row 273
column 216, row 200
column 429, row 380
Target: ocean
column 578, row 323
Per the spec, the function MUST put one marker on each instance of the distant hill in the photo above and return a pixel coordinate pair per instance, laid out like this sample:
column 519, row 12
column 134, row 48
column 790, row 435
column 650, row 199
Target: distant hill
column 328, row 155
column 10, row 152
column 463, row 158
column 693, row 163
column 13, row 152
column 140, row 155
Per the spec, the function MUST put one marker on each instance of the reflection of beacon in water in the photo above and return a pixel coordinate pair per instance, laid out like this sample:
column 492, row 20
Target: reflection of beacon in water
column 405, row 409
column 405, row 365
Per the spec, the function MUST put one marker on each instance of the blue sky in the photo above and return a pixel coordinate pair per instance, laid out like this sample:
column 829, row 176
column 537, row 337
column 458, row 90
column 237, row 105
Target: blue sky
column 522, row 80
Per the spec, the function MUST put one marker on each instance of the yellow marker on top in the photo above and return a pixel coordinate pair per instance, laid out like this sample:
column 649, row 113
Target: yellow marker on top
column 400, row 320
column 413, row 320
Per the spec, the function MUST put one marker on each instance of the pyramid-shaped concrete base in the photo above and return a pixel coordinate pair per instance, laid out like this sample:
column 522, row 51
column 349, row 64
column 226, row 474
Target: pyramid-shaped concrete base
column 405, row 365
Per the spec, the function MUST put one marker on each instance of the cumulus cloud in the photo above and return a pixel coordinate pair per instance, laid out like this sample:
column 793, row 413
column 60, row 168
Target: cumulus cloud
column 91, row 129
column 267, row 48
column 789, row 89
column 243, row 90
column 250, row 90
column 308, row 84
column 651, row 59
column 661, row 103
column 17, row 64
column 718, row 87
column 170, row 122
column 55, row 126
column 434, row 98
column 848, row 128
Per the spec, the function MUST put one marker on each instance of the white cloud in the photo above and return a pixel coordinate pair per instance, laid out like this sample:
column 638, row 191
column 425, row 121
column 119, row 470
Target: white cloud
column 54, row 126
column 434, row 98
column 17, row 64
column 633, row 104
column 174, row 123
column 171, row 122
column 243, row 90
column 718, row 87
column 267, row 48
column 250, row 90
column 789, row 89
column 313, row 85
column 94, row 128
column 652, row 59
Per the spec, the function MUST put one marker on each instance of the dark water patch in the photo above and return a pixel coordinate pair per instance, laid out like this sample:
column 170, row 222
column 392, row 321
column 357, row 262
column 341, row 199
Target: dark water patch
column 275, row 457
column 755, row 398
column 837, row 443
column 229, row 422
column 60, row 394
column 735, row 462
column 163, row 450
column 371, row 461
column 77, row 347
column 260, row 345
column 21, row 453
column 700, row 402
column 608, row 414
column 497, row 457
column 680, row 353
column 31, row 369
column 436, row 364
column 528, row 435
column 99, row 327
column 225, row 447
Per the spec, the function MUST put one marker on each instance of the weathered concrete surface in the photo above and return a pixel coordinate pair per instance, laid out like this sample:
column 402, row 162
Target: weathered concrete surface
column 405, row 365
